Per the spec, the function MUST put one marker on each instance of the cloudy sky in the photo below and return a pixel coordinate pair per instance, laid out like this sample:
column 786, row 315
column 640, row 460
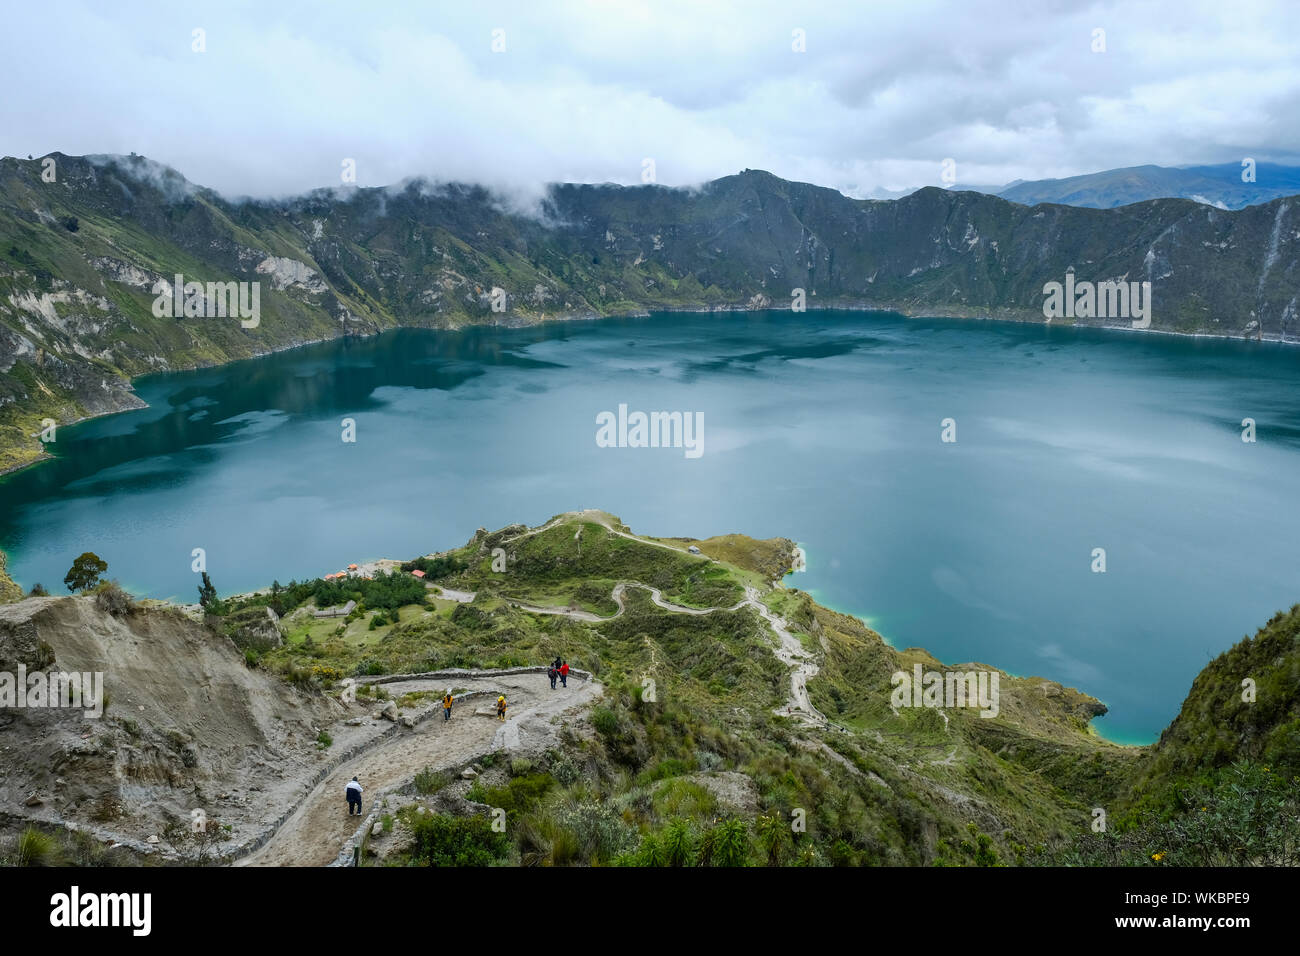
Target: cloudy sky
column 882, row 93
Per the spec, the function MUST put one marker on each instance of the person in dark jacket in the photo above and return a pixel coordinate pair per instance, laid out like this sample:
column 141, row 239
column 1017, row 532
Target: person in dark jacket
column 353, row 790
column 552, row 673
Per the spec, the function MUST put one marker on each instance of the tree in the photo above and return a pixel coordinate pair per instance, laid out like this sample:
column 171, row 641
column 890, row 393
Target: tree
column 207, row 593
column 85, row 572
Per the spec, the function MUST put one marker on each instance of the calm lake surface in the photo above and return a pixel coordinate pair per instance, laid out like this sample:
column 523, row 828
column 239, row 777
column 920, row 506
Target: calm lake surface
column 822, row 427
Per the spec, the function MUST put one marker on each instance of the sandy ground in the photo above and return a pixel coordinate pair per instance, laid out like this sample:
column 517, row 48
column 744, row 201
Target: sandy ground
column 314, row 835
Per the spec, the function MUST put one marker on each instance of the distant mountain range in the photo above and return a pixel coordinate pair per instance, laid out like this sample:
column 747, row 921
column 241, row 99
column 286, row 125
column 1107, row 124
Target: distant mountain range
column 1220, row 186
column 82, row 258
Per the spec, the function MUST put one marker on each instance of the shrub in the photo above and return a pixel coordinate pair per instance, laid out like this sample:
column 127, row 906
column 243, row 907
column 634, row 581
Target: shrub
column 728, row 844
column 774, row 839
column 440, row 840
column 678, row 844
column 599, row 833
column 518, row 796
column 36, row 848
column 111, row 599
column 564, row 770
column 605, row 721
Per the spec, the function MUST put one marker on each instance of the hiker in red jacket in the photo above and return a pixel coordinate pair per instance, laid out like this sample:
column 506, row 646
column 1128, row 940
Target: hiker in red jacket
column 564, row 673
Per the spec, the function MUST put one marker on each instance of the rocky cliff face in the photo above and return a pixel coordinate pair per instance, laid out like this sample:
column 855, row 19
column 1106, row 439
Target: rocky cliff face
column 184, row 722
column 82, row 258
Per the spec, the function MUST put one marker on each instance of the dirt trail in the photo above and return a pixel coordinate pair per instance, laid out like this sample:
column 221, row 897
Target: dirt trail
column 599, row 519
column 791, row 653
column 320, row 827
column 789, row 650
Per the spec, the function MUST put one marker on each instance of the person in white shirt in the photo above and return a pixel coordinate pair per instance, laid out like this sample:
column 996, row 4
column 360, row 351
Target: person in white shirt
column 354, row 796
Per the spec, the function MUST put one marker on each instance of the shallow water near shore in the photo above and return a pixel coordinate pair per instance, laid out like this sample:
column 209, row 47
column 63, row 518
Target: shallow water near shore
column 823, row 427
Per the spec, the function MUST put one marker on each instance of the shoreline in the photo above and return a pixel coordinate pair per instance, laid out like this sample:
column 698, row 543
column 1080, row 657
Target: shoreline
column 1092, row 728
column 1016, row 316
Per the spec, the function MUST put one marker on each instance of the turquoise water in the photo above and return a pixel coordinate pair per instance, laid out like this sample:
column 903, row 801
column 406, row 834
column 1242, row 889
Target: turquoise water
column 821, row 427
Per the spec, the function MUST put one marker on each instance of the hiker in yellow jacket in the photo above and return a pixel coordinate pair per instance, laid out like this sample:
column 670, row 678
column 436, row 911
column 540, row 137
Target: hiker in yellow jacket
column 446, row 706
column 501, row 708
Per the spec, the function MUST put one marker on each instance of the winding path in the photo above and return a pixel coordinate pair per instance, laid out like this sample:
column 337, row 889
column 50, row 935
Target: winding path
column 789, row 649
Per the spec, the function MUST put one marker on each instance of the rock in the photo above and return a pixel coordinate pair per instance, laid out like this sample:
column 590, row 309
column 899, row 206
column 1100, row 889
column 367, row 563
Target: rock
column 354, row 722
column 377, row 829
column 33, row 801
column 469, row 773
column 408, row 721
column 153, row 839
column 390, row 711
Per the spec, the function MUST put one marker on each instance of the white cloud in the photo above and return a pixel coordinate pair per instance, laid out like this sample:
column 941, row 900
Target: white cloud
column 586, row 90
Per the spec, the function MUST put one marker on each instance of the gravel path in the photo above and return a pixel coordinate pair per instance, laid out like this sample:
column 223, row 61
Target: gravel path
column 315, row 833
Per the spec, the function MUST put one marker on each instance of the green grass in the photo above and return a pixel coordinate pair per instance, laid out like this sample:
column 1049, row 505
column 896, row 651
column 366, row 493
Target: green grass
column 899, row 788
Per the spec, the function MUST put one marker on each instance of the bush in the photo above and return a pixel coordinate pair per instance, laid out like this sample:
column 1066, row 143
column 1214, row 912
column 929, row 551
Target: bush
column 598, row 832
column 678, row 844
column 435, row 568
column 728, row 844
column 440, row 840
column 111, row 599
column 518, row 796
column 1244, row 815
column 36, row 849
column 605, row 721
column 564, row 770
